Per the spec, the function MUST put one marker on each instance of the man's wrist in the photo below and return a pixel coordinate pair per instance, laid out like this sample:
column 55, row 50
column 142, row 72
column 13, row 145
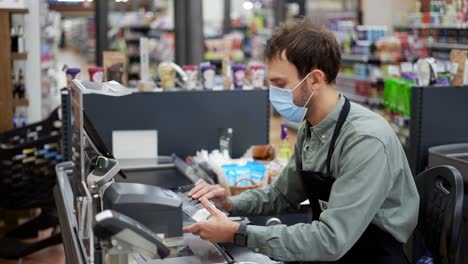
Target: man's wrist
column 235, row 229
column 240, row 237
column 228, row 205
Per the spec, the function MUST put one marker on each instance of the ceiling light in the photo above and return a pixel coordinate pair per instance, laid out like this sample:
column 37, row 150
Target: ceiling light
column 247, row 5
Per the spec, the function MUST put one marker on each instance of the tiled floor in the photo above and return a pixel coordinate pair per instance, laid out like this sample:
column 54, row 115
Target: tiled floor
column 56, row 254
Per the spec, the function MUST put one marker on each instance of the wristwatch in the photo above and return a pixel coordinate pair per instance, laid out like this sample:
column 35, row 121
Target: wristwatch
column 240, row 238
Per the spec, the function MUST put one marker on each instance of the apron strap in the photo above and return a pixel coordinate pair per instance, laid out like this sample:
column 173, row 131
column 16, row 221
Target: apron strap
column 339, row 124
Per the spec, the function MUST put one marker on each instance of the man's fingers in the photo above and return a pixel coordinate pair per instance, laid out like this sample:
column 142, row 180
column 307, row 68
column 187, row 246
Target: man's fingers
column 205, row 190
column 200, row 181
column 215, row 193
column 203, row 235
column 198, row 186
column 209, row 207
column 192, row 229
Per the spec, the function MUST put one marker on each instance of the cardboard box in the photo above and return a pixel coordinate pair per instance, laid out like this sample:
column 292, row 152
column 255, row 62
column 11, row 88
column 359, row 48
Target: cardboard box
column 115, row 67
column 458, row 59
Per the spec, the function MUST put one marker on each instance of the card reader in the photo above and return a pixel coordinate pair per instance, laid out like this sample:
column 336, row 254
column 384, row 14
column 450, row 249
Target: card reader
column 113, row 225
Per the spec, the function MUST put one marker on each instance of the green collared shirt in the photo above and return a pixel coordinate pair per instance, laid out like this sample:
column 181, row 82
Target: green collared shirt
column 373, row 184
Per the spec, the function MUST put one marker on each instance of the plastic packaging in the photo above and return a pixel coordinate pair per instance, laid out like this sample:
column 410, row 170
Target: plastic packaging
column 192, row 76
column 167, row 74
column 208, row 74
column 225, row 141
column 96, row 74
column 258, row 76
column 239, row 76
column 397, row 95
column 244, row 175
column 71, row 74
column 227, row 74
column 285, row 150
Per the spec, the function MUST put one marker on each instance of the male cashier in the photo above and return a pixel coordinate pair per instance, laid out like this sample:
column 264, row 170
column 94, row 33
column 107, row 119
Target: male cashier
column 348, row 163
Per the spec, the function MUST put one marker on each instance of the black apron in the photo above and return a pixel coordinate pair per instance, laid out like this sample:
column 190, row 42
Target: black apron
column 375, row 245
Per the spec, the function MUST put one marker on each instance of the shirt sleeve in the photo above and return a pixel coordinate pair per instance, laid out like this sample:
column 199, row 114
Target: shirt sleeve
column 284, row 195
column 363, row 182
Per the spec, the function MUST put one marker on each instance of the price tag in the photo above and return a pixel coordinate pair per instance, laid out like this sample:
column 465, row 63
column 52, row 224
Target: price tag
column 406, row 67
column 394, row 70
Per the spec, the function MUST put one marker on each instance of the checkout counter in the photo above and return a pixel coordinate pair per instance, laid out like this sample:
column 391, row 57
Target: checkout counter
column 133, row 213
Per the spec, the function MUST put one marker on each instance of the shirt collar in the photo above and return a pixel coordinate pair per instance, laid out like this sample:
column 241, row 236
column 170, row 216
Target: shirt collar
column 325, row 128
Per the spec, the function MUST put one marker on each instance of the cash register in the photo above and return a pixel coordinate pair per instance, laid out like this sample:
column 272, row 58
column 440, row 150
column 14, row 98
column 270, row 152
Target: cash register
column 109, row 216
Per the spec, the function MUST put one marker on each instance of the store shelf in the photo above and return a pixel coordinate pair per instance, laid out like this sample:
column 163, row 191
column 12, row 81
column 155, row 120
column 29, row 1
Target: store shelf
column 133, row 56
column 133, row 39
column 437, row 45
column 15, row 10
column 239, row 28
column 356, row 78
column 138, row 27
column 21, row 102
column 429, row 26
column 355, row 98
column 355, row 58
column 19, row 56
column 365, row 59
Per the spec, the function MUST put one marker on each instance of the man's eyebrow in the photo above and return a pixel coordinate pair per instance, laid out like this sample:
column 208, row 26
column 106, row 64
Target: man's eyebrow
column 276, row 79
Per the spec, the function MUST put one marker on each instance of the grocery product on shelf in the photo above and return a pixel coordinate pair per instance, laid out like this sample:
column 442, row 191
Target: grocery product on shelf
column 167, row 74
column 192, row 76
column 229, row 45
column 96, row 74
column 239, row 75
column 208, row 76
column 50, row 70
column 257, row 73
column 128, row 27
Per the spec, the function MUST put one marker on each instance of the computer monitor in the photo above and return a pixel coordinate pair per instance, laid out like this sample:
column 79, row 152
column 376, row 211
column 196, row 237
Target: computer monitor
column 86, row 141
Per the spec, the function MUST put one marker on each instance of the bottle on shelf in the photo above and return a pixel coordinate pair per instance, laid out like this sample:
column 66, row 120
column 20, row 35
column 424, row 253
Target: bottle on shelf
column 14, row 39
column 225, row 141
column 285, row 150
column 23, row 120
column 15, row 122
column 13, row 85
column 20, row 39
column 21, row 88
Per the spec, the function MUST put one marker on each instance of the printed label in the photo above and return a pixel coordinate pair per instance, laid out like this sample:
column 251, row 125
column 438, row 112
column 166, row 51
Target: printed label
column 323, row 205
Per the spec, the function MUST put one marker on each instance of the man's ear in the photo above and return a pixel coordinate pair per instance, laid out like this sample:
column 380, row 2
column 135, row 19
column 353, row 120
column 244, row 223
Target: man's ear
column 316, row 79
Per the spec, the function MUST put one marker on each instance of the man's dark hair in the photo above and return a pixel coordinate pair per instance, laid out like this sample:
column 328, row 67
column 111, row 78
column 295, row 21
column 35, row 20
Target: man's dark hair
column 308, row 46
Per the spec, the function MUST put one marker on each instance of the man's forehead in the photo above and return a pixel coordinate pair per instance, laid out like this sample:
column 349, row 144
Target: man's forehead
column 279, row 66
column 279, row 58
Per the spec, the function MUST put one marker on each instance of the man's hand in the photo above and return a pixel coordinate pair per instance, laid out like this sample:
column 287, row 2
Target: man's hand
column 211, row 192
column 218, row 228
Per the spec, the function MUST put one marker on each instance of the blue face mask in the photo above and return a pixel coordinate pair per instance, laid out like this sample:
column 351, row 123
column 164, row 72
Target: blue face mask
column 283, row 101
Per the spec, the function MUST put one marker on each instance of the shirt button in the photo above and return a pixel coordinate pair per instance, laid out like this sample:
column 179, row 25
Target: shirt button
column 323, row 136
column 257, row 250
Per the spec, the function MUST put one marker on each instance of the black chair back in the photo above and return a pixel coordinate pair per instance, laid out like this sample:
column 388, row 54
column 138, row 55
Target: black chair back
column 440, row 213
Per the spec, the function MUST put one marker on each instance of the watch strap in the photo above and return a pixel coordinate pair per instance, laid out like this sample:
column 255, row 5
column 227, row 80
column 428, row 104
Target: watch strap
column 243, row 228
column 241, row 237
